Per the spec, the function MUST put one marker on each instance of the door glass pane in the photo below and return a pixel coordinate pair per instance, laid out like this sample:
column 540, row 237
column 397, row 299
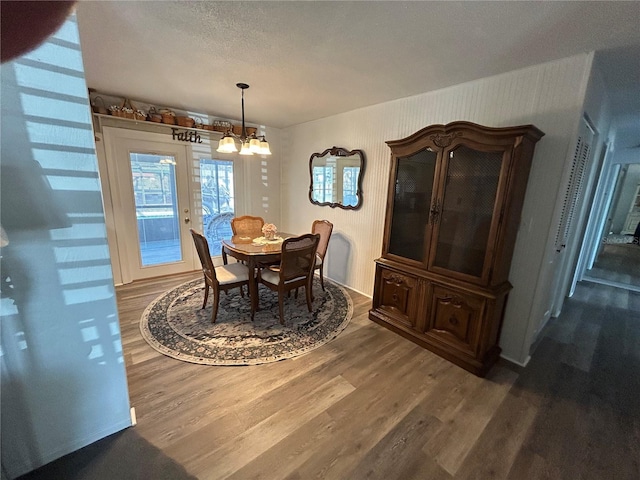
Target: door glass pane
column 154, row 187
column 467, row 210
column 324, row 183
column 350, row 177
column 216, row 184
column 413, row 186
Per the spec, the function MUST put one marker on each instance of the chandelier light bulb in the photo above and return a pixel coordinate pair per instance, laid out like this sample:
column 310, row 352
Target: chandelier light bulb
column 249, row 145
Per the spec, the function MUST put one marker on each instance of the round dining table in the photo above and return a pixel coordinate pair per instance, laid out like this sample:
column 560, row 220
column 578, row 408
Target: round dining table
column 255, row 250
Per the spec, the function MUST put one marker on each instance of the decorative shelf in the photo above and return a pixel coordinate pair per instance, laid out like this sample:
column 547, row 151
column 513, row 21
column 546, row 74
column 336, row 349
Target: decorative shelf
column 158, row 124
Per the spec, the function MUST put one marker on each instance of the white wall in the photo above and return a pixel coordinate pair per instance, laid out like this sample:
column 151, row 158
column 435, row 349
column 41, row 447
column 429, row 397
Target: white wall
column 626, row 155
column 550, row 96
column 63, row 378
column 594, row 129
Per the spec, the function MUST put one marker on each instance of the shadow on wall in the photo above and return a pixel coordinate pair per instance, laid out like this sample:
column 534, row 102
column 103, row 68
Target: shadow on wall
column 338, row 258
column 61, row 349
column 37, row 210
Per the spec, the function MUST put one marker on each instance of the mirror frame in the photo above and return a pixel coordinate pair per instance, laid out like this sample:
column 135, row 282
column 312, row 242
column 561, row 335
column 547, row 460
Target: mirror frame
column 338, row 152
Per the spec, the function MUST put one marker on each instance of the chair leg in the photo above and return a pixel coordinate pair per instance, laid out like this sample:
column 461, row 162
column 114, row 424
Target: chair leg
column 307, row 291
column 309, row 287
column 322, row 277
column 251, row 300
column 241, row 291
column 281, row 306
column 216, row 300
column 206, row 294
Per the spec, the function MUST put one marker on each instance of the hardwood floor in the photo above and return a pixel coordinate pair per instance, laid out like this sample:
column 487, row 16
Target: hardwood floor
column 372, row 405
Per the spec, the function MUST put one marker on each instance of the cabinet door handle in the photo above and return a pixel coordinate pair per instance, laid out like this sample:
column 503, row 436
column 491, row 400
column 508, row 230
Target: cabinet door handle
column 453, row 321
column 435, row 212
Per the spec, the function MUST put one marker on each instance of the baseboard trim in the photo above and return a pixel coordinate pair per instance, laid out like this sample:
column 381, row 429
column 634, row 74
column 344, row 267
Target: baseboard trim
column 515, row 362
column 134, row 420
column 609, row 283
column 347, row 286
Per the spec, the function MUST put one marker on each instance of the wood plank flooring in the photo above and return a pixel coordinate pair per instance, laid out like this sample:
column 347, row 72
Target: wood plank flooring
column 373, row 405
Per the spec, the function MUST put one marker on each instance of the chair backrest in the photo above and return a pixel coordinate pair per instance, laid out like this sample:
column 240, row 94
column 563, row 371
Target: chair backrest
column 202, row 247
column 247, row 225
column 298, row 256
column 324, row 229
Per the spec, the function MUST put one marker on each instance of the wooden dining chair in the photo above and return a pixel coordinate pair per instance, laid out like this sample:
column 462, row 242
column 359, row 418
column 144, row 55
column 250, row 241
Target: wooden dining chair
column 324, row 229
column 295, row 270
column 247, row 225
column 219, row 278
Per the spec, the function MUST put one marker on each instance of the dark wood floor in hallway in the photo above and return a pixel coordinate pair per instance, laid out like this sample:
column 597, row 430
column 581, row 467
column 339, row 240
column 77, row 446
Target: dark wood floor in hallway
column 371, row 404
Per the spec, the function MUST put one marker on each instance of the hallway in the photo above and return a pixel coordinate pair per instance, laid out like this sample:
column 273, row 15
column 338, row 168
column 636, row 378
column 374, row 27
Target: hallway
column 617, row 265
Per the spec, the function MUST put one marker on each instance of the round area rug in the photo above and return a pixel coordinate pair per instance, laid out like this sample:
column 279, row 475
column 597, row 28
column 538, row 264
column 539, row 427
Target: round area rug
column 176, row 325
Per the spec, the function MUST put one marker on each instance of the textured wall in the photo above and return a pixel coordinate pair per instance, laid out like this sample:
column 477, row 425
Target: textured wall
column 549, row 96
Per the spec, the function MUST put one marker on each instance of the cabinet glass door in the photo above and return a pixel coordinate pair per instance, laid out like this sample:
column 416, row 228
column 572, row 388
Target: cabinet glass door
column 412, row 199
column 467, row 209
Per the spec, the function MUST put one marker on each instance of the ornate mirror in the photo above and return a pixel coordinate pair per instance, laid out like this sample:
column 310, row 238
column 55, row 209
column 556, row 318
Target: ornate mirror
column 336, row 178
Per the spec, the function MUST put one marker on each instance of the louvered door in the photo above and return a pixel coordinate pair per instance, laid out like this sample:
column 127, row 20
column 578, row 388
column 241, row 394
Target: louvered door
column 573, row 193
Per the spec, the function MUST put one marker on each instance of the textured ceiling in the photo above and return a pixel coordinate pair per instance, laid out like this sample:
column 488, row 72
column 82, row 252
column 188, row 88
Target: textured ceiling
column 309, row 60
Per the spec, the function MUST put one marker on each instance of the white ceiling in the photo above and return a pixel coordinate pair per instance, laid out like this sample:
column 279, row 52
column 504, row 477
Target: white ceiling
column 309, row 60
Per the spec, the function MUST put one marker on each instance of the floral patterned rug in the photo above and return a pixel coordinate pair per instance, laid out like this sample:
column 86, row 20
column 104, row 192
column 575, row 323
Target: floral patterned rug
column 176, row 325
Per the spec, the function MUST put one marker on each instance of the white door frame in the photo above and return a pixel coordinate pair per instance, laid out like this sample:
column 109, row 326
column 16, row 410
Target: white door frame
column 118, row 143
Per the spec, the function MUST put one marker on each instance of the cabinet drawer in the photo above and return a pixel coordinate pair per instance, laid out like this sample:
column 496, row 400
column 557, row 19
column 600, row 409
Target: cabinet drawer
column 455, row 318
column 397, row 295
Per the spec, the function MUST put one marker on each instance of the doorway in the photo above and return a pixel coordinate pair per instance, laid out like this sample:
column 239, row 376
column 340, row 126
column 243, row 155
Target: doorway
column 159, row 189
column 616, row 260
column 152, row 207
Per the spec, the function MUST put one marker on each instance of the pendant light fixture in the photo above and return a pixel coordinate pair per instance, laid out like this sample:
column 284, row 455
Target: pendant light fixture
column 249, row 144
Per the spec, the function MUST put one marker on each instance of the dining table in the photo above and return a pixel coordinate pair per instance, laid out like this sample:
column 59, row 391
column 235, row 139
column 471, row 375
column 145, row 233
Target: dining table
column 255, row 250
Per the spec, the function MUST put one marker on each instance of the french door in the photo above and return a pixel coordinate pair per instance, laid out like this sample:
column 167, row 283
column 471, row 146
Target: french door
column 152, row 203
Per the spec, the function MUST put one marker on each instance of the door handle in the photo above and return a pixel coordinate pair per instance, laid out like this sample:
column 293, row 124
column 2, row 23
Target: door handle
column 435, row 212
column 187, row 219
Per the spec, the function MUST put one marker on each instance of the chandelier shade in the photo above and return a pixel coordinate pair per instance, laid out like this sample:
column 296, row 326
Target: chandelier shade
column 249, row 145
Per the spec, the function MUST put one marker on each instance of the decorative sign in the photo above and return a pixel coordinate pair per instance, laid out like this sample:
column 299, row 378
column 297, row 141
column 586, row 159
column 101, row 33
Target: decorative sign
column 186, row 136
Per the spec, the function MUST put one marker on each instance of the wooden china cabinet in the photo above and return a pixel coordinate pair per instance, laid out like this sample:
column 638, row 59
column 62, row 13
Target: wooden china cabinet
column 453, row 211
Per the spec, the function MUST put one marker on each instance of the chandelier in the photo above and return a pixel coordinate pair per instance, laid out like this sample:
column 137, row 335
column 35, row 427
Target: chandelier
column 249, row 144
